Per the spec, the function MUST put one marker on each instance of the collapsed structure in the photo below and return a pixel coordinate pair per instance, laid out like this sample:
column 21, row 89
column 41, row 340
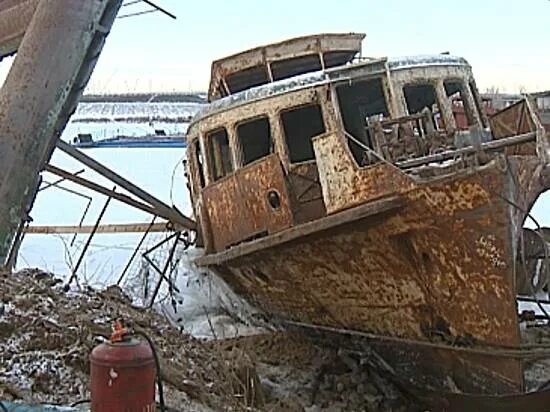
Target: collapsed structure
column 373, row 201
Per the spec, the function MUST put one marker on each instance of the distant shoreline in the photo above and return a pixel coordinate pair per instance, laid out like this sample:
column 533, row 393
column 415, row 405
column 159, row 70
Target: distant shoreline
column 145, row 97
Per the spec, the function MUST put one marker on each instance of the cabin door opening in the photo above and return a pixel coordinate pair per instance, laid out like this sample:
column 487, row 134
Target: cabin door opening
column 361, row 103
column 300, row 125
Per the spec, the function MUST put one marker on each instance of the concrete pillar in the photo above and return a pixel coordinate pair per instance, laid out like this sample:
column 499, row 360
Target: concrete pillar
column 52, row 66
column 15, row 17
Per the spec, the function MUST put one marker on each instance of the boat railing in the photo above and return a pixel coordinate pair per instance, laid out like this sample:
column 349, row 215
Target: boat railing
column 412, row 141
column 408, row 137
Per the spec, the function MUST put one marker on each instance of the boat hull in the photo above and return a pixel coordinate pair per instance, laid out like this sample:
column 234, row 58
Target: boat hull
column 438, row 269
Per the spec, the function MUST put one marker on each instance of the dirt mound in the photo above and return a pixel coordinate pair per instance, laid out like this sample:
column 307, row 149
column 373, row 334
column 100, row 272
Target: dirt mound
column 47, row 334
column 298, row 375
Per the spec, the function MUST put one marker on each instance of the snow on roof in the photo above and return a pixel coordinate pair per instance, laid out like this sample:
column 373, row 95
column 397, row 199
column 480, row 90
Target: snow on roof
column 320, row 77
column 407, row 62
column 262, row 91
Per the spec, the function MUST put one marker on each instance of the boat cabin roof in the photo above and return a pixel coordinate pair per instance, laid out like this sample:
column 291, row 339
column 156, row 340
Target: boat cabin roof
column 277, row 61
column 317, row 78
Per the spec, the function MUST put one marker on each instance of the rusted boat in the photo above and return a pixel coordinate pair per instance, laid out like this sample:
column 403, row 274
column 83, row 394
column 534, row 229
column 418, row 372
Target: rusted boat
column 342, row 196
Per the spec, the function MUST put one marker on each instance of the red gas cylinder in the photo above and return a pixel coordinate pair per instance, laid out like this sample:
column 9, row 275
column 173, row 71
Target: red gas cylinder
column 122, row 376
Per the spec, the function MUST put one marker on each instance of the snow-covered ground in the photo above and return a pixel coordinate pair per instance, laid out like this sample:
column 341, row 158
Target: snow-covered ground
column 104, row 120
column 96, row 111
column 203, row 299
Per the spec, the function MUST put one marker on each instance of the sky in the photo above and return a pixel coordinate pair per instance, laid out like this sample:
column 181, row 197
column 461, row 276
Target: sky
column 506, row 42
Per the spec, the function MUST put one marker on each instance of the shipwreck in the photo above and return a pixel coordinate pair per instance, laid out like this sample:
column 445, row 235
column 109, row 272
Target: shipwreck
column 373, row 202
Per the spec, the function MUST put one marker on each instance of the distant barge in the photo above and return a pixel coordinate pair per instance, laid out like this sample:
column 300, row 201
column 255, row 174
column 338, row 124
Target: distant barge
column 85, row 141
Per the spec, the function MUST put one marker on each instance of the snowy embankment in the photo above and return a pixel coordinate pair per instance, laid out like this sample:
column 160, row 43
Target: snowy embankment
column 204, row 306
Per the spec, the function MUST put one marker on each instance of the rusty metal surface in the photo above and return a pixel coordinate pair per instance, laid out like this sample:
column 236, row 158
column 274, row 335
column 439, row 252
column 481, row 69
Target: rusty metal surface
column 305, row 191
column 437, row 268
column 53, row 64
column 345, row 184
column 370, row 211
column 15, row 17
column 263, row 56
column 238, row 206
column 404, row 276
column 513, row 120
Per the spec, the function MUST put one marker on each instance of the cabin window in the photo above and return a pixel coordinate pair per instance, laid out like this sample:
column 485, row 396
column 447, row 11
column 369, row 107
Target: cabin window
column 360, row 104
column 219, row 154
column 460, row 104
column 422, row 97
column 245, row 79
column 255, row 139
column 199, row 162
column 298, row 65
column 300, row 125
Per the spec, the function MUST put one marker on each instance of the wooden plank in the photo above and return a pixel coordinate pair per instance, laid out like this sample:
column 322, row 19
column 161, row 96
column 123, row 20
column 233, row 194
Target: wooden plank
column 108, row 228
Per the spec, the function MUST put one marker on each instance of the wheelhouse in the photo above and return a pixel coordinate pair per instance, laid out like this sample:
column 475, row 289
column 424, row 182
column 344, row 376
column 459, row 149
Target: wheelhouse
column 252, row 160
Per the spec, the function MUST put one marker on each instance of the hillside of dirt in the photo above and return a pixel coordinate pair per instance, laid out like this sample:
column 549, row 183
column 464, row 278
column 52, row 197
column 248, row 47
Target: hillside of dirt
column 47, row 333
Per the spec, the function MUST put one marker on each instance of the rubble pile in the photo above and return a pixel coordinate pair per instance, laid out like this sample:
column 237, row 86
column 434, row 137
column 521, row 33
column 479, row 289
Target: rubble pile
column 47, row 333
column 297, row 375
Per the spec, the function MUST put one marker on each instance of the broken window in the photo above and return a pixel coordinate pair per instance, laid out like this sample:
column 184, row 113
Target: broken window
column 284, row 69
column 245, row 79
column 199, row 162
column 422, row 97
column 462, row 111
column 300, row 125
column 360, row 103
column 255, row 139
column 219, row 154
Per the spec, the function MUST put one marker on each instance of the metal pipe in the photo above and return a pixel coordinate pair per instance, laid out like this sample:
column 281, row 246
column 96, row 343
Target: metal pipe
column 136, row 250
column 489, row 146
column 150, row 3
column 89, row 240
column 50, row 184
column 162, row 274
column 103, row 190
column 107, row 228
column 166, row 210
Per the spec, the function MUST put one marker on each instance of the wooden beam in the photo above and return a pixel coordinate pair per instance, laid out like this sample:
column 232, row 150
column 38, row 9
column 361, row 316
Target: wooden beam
column 169, row 212
column 107, row 228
